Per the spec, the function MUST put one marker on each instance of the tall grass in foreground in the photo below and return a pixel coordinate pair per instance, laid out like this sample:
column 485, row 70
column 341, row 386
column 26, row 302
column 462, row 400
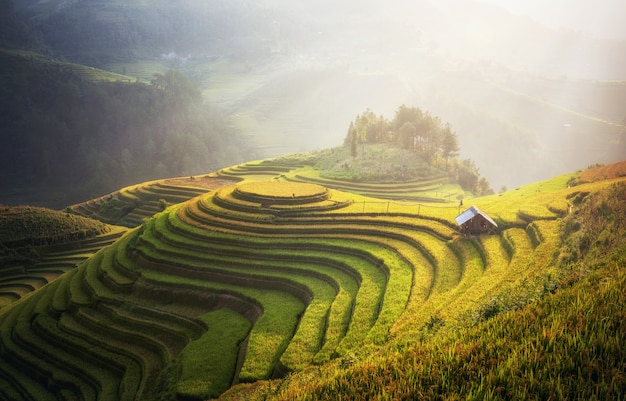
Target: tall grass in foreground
column 570, row 345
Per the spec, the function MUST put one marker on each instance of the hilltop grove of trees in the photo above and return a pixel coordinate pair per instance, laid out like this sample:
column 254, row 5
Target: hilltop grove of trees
column 419, row 132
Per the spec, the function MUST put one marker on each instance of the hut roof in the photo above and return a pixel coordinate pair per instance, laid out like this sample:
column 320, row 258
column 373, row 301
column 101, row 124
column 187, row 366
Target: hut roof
column 470, row 213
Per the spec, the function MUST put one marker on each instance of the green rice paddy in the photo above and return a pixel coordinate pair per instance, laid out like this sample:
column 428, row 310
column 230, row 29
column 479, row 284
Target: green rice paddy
column 253, row 279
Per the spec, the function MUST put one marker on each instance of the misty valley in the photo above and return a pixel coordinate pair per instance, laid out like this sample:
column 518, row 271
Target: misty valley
column 275, row 200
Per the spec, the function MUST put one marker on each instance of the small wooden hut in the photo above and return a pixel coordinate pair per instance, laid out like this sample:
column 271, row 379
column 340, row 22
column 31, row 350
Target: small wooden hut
column 474, row 221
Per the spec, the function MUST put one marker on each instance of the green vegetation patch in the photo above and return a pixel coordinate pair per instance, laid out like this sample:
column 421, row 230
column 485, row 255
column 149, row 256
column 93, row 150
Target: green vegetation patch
column 569, row 346
column 209, row 363
column 274, row 189
column 336, row 302
column 40, row 226
column 379, row 162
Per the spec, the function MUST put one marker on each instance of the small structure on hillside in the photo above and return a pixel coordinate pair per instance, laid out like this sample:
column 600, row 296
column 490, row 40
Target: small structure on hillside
column 474, row 221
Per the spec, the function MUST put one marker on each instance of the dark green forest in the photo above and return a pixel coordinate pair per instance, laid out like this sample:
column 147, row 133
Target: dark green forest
column 84, row 137
column 69, row 135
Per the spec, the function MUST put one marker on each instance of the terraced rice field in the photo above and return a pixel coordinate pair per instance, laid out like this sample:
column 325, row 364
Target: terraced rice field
column 259, row 279
column 56, row 260
column 428, row 189
column 130, row 206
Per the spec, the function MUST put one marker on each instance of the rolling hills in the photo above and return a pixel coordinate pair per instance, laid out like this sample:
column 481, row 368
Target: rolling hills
column 72, row 132
column 245, row 275
column 290, row 87
column 38, row 245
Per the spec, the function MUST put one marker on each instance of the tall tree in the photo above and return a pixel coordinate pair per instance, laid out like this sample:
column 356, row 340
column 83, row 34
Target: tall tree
column 406, row 114
column 407, row 135
column 175, row 84
column 351, row 140
column 449, row 144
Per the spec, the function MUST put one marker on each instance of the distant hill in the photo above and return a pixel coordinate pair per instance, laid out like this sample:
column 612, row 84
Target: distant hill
column 100, row 32
column 38, row 245
column 33, row 225
column 561, row 124
column 295, row 73
column 72, row 132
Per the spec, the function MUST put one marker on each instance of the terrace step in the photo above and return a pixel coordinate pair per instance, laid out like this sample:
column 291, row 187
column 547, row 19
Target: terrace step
column 272, row 231
column 16, row 385
column 417, row 190
column 121, row 365
column 55, row 260
column 14, row 364
column 46, row 364
column 316, row 281
column 280, row 323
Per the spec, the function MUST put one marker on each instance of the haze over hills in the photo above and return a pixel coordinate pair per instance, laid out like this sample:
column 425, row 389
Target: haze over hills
column 596, row 18
column 291, row 76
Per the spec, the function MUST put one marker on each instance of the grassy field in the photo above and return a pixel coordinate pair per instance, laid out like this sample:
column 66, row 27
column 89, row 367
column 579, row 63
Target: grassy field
column 566, row 344
column 246, row 275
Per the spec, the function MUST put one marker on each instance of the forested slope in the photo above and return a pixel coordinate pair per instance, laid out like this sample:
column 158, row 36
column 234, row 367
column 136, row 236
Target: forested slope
column 72, row 132
column 99, row 32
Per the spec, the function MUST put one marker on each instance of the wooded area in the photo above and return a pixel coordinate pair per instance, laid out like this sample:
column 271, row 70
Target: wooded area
column 422, row 133
column 87, row 137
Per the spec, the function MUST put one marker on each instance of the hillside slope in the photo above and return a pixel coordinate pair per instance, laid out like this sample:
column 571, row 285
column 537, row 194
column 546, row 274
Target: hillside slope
column 71, row 132
column 567, row 344
column 266, row 278
column 38, row 245
column 375, row 174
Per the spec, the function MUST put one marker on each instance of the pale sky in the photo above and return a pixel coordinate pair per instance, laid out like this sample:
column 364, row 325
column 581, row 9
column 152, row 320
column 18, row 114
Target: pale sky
column 601, row 18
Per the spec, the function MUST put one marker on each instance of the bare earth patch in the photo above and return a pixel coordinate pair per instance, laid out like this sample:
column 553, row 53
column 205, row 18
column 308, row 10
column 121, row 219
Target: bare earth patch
column 200, row 182
column 604, row 172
